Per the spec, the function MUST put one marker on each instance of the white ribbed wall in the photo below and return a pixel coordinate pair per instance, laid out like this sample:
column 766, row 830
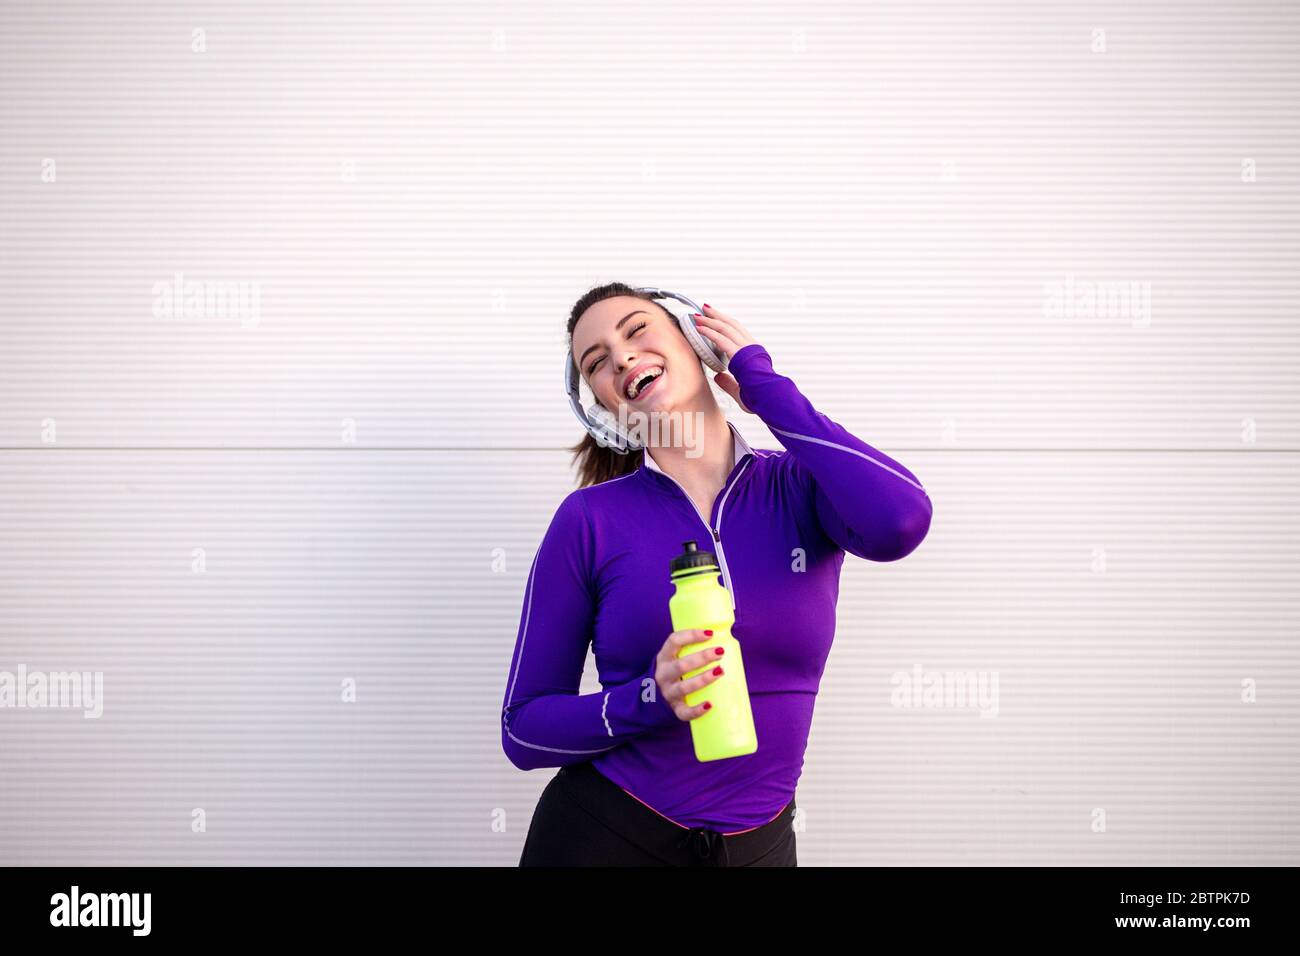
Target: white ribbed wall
column 880, row 194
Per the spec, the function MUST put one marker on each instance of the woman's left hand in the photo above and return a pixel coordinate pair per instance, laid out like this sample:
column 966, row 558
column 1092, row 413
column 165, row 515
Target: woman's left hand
column 729, row 337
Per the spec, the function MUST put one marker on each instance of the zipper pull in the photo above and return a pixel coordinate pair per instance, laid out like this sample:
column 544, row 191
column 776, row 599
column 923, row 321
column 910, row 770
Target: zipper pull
column 716, row 537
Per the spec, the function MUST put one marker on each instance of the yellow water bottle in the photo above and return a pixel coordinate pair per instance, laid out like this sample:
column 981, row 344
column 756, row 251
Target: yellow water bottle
column 700, row 601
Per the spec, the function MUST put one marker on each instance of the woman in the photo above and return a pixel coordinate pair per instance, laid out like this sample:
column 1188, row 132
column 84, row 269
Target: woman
column 630, row 790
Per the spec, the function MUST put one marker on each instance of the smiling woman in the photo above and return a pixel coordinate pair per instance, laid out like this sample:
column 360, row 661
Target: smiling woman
column 780, row 523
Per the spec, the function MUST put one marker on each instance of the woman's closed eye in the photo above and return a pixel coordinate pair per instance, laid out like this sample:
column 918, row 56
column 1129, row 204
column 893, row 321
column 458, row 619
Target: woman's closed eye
column 592, row 367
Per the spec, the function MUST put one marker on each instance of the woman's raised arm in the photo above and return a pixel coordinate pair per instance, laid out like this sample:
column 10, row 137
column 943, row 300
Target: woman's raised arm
column 867, row 503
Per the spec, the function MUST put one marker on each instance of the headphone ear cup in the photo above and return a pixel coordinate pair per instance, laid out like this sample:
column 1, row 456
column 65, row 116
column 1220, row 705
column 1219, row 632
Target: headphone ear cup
column 704, row 348
column 607, row 423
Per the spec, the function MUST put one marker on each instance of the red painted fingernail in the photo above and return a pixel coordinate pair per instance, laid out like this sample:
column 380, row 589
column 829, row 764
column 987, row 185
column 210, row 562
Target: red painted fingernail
column 707, row 705
column 709, row 633
column 707, row 306
column 717, row 670
column 719, row 651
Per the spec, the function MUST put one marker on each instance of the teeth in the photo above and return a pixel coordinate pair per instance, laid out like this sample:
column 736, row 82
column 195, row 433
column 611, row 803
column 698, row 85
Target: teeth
column 653, row 372
column 648, row 376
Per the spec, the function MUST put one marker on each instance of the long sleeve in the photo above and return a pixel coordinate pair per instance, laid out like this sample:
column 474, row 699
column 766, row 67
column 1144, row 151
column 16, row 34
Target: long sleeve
column 544, row 721
column 867, row 503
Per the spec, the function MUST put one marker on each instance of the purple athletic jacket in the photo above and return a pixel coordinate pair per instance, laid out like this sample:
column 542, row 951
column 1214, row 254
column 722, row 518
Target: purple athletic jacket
column 780, row 528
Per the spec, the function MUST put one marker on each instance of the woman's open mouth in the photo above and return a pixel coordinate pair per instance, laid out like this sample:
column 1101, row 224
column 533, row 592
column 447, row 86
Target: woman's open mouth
column 638, row 389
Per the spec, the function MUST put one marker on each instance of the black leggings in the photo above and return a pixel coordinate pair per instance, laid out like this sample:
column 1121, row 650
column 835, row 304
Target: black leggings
column 585, row 819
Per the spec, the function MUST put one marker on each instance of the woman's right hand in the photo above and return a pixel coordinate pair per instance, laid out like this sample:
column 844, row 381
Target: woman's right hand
column 669, row 670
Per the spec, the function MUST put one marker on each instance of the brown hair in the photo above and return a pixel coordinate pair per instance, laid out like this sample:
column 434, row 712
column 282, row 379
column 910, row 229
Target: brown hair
column 596, row 462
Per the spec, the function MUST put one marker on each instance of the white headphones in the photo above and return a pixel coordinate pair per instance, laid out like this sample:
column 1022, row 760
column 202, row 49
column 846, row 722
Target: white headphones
column 599, row 421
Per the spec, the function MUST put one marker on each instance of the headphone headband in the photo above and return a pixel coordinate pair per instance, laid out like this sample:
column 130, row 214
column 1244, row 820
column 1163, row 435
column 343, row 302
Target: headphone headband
column 599, row 421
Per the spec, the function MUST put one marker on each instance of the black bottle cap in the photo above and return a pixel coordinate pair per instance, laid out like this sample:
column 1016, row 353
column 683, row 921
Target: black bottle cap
column 691, row 558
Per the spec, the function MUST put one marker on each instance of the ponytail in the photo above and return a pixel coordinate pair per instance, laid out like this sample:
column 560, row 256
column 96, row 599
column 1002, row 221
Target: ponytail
column 597, row 462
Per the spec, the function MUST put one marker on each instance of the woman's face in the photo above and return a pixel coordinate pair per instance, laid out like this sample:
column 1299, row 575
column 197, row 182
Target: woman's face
column 619, row 340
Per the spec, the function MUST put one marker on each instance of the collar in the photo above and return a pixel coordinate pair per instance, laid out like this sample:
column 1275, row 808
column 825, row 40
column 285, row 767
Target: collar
column 741, row 450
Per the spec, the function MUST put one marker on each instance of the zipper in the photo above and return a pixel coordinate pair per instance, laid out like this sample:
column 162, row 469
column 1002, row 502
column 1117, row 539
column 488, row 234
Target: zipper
column 716, row 533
